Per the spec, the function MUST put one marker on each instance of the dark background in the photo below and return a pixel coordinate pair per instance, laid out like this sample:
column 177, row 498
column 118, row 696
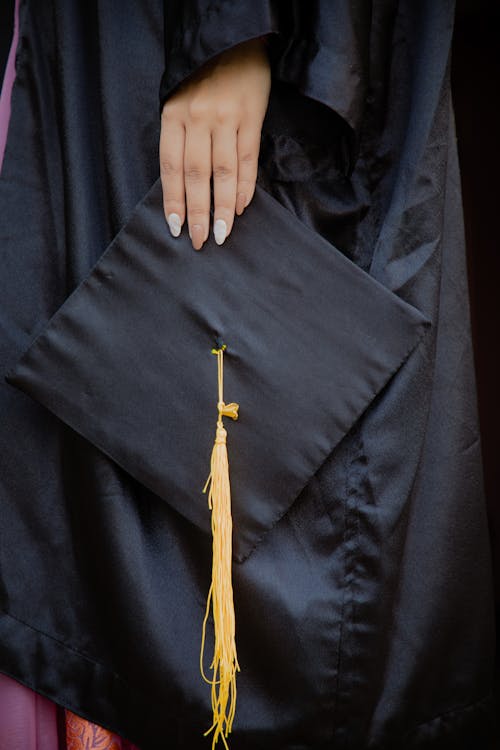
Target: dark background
column 475, row 79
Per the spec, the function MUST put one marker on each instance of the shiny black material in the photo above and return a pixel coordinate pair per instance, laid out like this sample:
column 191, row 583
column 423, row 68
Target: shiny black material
column 364, row 612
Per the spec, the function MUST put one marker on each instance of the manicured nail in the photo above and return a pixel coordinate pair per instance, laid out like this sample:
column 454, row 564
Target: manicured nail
column 240, row 203
column 220, row 231
column 198, row 235
column 174, row 223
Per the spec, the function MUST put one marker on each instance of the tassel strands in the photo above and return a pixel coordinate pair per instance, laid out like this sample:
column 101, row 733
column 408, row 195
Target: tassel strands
column 220, row 595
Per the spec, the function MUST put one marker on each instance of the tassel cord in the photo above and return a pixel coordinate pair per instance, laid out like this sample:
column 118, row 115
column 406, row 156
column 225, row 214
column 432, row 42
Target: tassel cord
column 220, row 596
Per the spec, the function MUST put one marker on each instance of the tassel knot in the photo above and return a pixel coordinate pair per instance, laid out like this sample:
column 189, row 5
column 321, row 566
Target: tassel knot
column 220, row 436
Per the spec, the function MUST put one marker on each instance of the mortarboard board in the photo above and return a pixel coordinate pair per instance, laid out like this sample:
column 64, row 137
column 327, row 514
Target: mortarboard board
column 310, row 339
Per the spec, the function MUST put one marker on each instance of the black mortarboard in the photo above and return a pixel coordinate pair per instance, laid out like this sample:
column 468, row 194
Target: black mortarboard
column 310, row 340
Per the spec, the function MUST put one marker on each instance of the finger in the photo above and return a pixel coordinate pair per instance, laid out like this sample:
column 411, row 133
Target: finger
column 225, row 173
column 172, row 139
column 197, row 172
column 248, row 147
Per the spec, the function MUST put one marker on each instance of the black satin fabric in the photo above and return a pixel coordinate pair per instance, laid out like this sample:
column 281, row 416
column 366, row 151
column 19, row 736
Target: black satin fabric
column 364, row 614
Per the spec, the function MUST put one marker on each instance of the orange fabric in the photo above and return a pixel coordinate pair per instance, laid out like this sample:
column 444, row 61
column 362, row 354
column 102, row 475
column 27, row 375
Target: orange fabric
column 85, row 735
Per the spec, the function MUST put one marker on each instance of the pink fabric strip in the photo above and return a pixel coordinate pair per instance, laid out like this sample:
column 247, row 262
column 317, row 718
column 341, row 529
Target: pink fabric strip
column 8, row 82
column 28, row 720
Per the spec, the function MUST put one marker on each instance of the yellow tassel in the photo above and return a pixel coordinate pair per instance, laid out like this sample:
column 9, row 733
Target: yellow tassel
column 220, row 595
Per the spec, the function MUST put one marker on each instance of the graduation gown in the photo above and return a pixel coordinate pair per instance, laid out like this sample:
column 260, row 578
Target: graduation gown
column 363, row 595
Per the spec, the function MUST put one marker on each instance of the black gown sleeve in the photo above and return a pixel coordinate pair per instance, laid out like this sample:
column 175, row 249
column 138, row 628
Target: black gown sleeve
column 198, row 30
column 320, row 47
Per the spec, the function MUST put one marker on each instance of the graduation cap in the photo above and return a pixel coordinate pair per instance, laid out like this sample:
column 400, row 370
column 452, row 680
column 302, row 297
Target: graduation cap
column 307, row 337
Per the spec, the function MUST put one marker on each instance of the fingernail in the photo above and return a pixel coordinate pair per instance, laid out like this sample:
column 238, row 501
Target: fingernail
column 174, row 223
column 240, row 203
column 197, row 236
column 220, row 231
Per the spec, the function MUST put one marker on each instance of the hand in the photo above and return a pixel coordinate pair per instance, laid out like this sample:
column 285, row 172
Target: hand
column 212, row 124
